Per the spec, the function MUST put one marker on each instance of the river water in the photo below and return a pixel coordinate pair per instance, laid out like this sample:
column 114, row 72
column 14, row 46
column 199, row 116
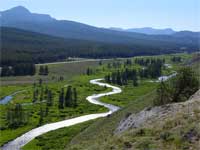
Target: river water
column 94, row 99
column 8, row 98
column 30, row 135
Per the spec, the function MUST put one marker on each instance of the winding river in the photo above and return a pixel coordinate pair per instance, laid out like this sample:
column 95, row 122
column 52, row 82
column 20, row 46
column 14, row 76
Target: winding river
column 30, row 135
column 94, row 99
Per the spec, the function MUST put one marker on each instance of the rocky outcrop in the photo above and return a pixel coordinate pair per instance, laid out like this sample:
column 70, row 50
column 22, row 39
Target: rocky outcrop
column 159, row 114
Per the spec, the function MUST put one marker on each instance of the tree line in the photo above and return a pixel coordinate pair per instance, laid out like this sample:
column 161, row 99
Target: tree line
column 152, row 68
column 40, row 94
column 16, row 116
column 44, row 96
column 148, row 61
column 152, row 71
column 18, row 69
column 176, row 59
column 122, row 77
column 115, row 64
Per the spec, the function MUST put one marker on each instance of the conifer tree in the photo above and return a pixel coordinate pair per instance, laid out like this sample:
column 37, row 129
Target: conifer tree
column 108, row 78
column 40, row 82
column 75, row 97
column 135, row 81
column 163, row 96
column 89, row 71
column 16, row 116
column 68, row 97
column 113, row 77
column 41, row 94
column 61, row 99
column 46, row 110
column 119, row 81
column 46, row 70
column 41, row 119
column 49, row 98
column 35, row 95
column 41, row 70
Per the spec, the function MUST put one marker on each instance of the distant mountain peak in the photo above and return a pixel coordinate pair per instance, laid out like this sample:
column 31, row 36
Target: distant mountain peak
column 116, row 29
column 18, row 9
column 153, row 31
column 22, row 13
column 147, row 30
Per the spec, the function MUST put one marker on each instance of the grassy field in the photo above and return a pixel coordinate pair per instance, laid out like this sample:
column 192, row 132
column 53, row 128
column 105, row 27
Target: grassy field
column 102, row 130
column 91, row 138
column 8, row 90
column 57, row 140
column 67, row 70
column 84, row 88
column 130, row 94
column 73, row 73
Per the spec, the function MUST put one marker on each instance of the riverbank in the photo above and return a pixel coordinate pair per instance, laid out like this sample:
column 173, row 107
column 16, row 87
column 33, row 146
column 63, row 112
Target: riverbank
column 129, row 94
column 94, row 99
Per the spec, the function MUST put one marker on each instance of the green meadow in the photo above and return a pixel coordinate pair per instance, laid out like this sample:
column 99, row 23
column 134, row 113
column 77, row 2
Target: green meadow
column 74, row 74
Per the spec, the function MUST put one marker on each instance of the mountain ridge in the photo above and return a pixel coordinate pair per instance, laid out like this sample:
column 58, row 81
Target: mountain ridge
column 21, row 18
column 147, row 30
column 31, row 33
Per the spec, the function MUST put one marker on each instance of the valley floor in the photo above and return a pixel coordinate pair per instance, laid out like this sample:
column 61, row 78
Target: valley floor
column 132, row 100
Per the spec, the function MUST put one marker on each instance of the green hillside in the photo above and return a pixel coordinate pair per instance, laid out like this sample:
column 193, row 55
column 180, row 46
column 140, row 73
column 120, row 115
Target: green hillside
column 19, row 46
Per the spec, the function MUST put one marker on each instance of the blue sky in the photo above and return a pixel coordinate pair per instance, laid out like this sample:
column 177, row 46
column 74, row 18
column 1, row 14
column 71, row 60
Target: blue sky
column 176, row 14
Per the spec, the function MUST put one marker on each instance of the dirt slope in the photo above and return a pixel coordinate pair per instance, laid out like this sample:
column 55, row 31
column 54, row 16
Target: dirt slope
column 160, row 114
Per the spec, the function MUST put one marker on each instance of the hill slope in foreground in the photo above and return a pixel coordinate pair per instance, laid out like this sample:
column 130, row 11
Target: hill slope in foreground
column 173, row 126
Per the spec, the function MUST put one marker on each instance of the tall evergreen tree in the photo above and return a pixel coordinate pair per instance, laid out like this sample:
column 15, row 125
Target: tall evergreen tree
column 124, row 78
column 179, row 88
column 46, row 110
column 46, row 70
column 100, row 63
column 41, row 94
column 114, row 78
column 108, row 78
column 33, row 69
column 185, row 84
column 46, row 92
column 41, row 70
column 40, row 82
column 68, row 97
column 35, row 95
column 61, row 99
column 135, row 81
column 119, row 81
column 163, row 95
column 75, row 97
column 49, row 98
column 89, row 71
column 41, row 119
column 16, row 116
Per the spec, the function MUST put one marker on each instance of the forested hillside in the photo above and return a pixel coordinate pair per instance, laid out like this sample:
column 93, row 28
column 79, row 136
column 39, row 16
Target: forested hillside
column 19, row 46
